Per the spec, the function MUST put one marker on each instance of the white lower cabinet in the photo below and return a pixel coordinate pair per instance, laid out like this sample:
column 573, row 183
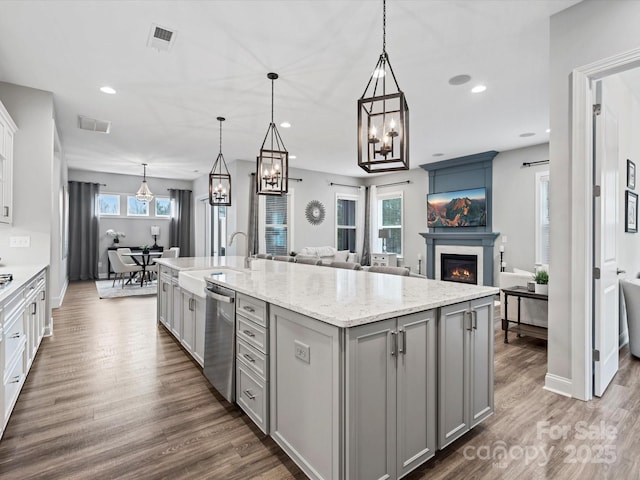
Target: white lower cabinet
column 165, row 308
column 465, row 373
column 176, row 304
column 193, row 318
column 391, row 396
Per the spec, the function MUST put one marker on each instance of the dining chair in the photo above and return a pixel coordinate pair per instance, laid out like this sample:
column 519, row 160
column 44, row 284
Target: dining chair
column 176, row 251
column 266, row 256
column 120, row 268
column 346, row 265
column 171, row 253
column 391, row 270
column 309, row 260
column 127, row 260
column 284, row 258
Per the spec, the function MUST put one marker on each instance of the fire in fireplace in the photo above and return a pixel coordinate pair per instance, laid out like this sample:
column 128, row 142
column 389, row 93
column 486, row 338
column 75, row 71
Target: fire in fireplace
column 459, row 268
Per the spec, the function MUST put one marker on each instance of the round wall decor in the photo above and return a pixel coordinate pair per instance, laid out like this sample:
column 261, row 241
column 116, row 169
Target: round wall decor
column 314, row 212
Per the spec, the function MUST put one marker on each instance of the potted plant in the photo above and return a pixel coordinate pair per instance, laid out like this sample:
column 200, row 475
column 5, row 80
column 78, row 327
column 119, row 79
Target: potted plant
column 116, row 235
column 542, row 282
column 145, row 249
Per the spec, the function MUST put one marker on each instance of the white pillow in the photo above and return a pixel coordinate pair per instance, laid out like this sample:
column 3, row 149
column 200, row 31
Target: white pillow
column 341, row 256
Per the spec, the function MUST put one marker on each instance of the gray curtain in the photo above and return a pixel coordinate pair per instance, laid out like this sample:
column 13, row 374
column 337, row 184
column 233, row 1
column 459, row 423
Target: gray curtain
column 253, row 244
column 366, row 247
column 83, row 231
column 180, row 225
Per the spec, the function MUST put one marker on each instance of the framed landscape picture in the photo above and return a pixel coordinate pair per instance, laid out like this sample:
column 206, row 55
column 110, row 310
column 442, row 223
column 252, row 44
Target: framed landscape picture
column 631, row 175
column 461, row 208
column 631, row 212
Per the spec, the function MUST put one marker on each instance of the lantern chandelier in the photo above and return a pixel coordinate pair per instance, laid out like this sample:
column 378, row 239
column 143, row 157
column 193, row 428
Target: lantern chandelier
column 144, row 194
column 272, row 172
column 220, row 179
column 383, row 118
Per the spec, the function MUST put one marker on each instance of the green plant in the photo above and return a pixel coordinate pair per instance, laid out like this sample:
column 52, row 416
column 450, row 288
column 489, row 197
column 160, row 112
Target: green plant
column 541, row 277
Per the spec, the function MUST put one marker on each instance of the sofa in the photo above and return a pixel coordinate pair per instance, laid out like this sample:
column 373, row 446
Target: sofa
column 532, row 312
column 328, row 255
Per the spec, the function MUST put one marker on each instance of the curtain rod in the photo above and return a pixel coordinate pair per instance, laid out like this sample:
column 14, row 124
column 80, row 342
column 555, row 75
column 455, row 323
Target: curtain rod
column 395, row 183
column 531, row 164
column 345, row 185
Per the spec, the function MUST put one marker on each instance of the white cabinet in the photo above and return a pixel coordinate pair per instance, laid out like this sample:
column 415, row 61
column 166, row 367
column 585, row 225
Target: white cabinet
column 465, row 367
column 7, row 130
column 391, row 396
column 384, row 260
column 182, row 313
column 35, row 315
column 252, row 359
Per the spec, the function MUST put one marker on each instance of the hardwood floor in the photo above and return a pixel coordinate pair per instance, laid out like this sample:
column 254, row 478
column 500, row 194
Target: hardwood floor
column 111, row 395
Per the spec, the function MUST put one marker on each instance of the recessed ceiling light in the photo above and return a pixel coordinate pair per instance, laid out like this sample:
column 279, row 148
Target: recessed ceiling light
column 438, row 154
column 478, row 89
column 527, row 134
column 292, row 157
column 548, row 130
column 378, row 73
column 109, row 90
column 285, row 125
column 459, row 79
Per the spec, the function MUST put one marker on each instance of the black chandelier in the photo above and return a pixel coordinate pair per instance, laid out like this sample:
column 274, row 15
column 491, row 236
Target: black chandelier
column 383, row 118
column 220, row 179
column 272, row 172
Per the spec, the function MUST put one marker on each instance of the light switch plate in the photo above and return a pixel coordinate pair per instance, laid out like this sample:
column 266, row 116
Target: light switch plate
column 302, row 351
column 504, row 239
column 20, row 242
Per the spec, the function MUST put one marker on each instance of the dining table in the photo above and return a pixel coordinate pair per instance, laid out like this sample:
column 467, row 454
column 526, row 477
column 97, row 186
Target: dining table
column 143, row 259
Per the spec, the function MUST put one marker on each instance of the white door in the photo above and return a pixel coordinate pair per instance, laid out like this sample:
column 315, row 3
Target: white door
column 605, row 289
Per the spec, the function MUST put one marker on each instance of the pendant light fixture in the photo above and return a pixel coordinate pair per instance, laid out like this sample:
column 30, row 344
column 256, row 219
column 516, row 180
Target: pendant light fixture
column 220, row 179
column 383, row 118
column 272, row 175
column 144, row 194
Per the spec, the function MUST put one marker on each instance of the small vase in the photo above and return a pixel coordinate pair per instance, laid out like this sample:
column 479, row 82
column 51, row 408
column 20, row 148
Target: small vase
column 116, row 241
column 542, row 289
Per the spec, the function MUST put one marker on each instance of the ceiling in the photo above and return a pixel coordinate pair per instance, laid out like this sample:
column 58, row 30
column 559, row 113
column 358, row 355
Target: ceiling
column 165, row 109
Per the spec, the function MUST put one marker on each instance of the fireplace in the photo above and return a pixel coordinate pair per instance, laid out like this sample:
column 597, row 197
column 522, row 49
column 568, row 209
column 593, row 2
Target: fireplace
column 459, row 268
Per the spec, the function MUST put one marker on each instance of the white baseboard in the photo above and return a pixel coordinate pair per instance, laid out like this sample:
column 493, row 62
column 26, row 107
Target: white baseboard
column 56, row 302
column 556, row 384
column 623, row 339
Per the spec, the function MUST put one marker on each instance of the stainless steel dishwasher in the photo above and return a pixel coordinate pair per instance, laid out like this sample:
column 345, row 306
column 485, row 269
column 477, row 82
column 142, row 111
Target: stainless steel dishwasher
column 219, row 339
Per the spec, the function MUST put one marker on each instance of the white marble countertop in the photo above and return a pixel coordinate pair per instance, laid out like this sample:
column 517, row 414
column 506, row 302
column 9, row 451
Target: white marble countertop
column 21, row 275
column 344, row 298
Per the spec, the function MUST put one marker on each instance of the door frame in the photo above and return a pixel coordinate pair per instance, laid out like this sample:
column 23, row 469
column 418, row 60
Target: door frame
column 582, row 227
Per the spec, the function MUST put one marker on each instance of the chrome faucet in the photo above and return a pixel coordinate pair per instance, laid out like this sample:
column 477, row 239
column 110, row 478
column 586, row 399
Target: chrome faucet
column 247, row 263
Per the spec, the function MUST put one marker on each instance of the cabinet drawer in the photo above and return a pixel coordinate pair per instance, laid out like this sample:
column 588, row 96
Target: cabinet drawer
column 13, row 380
column 252, row 308
column 252, row 395
column 13, row 338
column 253, row 334
column 12, row 305
column 254, row 359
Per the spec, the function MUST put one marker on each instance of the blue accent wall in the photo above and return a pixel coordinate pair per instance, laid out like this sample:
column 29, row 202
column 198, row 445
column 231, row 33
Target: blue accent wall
column 462, row 173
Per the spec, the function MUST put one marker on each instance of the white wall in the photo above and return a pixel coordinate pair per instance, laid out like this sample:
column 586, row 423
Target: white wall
column 514, row 188
column 585, row 33
column 137, row 229
column 59, row 278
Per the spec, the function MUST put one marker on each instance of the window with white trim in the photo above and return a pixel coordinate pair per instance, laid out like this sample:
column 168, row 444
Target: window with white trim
column 346, row 219
column 108, row 204
column 136, row 208
column 276, row 224
column 163, row 207
column 542, row 217
column 390, row 219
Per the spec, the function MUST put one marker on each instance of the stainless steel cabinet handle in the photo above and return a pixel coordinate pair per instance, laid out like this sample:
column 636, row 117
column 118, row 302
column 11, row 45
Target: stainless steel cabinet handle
column 618, row 271
column 249, row 394
column 15, row 379
column 401, row 339
column 191, row 304
column 249, row 333
column 468, row 322
column 249, row 357
column 16, row 335
column 474, row 317
column 249, row 309
column 220, row 298
column 164, row 287
column 44, row 295
column 394, row 343
column 404, row 342
column 35, row 306
column 6, row 211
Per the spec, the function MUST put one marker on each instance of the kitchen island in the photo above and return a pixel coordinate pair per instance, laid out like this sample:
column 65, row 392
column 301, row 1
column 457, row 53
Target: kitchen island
column 354, row 374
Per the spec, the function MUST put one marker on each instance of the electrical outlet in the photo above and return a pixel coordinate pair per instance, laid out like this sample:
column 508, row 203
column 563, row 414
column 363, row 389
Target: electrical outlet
column 302, row 351
column 20, row 242
column 99, row 264
column 504, row 239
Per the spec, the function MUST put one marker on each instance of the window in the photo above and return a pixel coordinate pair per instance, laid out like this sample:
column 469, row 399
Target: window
column 346, row 212
column 163, row 207
column 542, row 217
column 136, row 208
column 108, row 204
column 277, row 227
column 390, row 219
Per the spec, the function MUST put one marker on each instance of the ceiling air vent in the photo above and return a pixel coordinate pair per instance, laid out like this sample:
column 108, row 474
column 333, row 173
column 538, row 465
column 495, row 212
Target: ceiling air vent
column 161, row 38
column 93, row 125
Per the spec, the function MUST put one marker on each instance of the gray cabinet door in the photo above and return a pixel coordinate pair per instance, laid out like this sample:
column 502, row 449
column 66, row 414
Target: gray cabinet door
column 176, row 317
column 164, row 302
column 416, row 390
column 481, row 359
column 453, row 373
column 371, row 401
column 188, row 321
